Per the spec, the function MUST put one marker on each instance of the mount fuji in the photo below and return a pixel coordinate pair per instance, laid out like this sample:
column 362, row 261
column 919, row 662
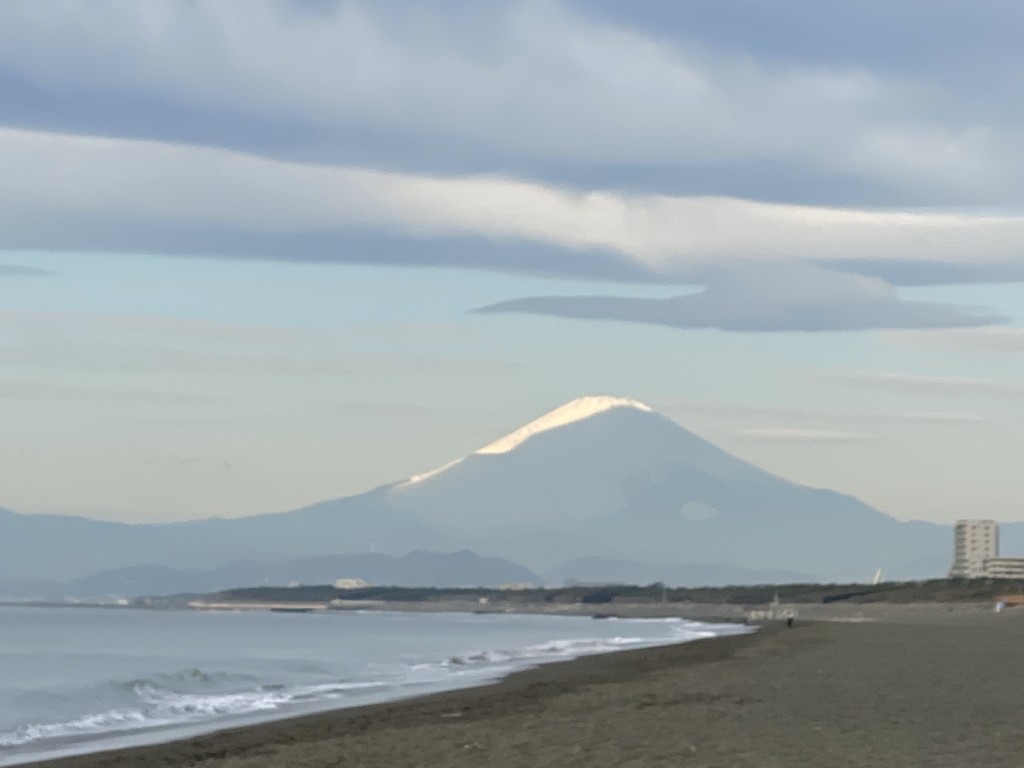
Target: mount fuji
column 599, row 480
column 610, row 477
column 590, row 457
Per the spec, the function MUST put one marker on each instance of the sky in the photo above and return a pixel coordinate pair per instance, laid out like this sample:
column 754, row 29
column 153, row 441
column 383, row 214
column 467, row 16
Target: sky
column 256, row 254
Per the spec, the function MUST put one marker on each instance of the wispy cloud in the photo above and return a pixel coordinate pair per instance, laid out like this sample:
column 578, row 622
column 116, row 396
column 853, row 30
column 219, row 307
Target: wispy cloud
column 994, row 339
column 87, row 356
column 794, row 416
column 792, row 434
column 936, row 385
column 939, row 417
column 411, row 410
column 33, row 390
column 54, row 325
column 20, row 270
column 142, row 344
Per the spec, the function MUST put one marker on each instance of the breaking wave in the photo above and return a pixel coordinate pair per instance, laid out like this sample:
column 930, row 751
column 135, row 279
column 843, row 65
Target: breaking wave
column 200, row 697
column 170, row 700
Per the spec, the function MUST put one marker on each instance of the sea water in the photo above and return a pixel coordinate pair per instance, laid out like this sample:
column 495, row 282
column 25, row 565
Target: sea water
column 85, row 679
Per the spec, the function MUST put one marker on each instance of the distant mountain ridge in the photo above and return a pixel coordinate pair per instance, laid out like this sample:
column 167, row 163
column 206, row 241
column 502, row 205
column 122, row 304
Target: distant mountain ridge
column 599, row 477
column 415, row 569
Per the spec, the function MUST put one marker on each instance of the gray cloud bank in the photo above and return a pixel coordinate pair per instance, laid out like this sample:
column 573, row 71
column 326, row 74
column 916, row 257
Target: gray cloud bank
column 21, row 270
column 716, row 148
column 764, row 298
column 646, row 96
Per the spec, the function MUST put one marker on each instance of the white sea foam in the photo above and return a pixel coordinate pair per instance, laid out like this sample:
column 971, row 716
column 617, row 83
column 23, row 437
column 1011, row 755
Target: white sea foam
column 159, row 707
column 203, row 698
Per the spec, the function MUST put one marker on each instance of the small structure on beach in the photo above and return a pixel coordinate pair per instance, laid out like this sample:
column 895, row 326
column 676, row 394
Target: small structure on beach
column 775, row 612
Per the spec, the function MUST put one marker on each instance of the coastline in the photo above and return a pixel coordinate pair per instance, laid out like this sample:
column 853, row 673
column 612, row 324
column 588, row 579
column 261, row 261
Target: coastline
column 914, row 688
column 532, row 683
column 442, row 653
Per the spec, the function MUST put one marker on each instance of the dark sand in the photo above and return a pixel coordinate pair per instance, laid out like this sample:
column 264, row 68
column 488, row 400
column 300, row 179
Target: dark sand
column 943, row 690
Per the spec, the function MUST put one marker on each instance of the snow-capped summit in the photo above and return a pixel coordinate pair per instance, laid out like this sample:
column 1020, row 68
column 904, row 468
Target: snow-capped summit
column 587, row 457
column 611, row 477
column 573, row 411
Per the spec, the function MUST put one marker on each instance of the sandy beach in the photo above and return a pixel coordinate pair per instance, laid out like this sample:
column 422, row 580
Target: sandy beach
column 924, row 688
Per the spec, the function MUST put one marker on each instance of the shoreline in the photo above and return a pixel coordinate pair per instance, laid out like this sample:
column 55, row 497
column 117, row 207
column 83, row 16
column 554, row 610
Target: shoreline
column 915, row 688
column 710, row 612
column 130, row 740
column 449, row 704
column 755, row 614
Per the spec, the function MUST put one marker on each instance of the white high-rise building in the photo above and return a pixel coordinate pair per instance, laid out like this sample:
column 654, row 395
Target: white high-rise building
column 975, row 543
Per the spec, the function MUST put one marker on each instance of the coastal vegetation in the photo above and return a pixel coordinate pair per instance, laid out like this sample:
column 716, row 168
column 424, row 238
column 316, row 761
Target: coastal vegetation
column 933, row 591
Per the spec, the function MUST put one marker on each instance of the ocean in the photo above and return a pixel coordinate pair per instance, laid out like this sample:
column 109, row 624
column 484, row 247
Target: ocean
column 84, row 679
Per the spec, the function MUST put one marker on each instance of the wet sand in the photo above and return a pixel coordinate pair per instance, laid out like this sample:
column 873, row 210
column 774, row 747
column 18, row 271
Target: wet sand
column 927, row 688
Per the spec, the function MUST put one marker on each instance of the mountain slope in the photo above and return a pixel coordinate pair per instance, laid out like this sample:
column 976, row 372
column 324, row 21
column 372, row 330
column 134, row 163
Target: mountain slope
column 597, row 477
column 596, row 464
column 625, row 482
column 60, row 548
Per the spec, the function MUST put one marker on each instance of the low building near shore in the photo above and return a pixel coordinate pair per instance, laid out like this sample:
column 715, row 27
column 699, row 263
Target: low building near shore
column 1004, row 568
